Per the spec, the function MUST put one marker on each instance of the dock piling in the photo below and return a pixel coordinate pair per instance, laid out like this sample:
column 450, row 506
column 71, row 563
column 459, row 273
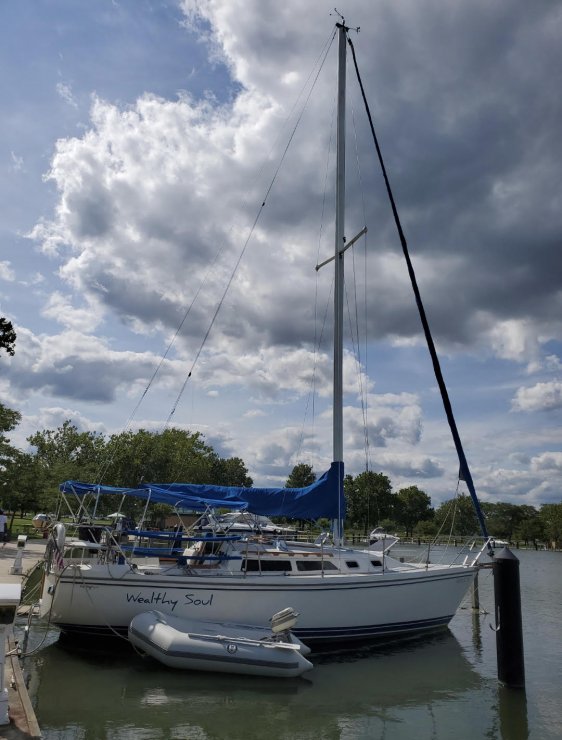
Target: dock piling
column 475, row 594
column 16, row 568
column 10, row 596
column 509, row 626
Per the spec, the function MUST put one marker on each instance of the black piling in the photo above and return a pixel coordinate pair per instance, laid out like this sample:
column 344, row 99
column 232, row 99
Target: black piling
column 509, row 625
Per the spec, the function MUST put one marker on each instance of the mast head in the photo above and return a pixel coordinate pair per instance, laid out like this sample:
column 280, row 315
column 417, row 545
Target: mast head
column 342, row 25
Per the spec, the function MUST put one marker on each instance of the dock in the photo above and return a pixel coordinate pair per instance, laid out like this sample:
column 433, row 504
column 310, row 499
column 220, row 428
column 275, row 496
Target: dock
column 23, row 723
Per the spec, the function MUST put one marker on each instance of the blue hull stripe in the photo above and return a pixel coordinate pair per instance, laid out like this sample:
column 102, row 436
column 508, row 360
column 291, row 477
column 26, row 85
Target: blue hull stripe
column 317, row 634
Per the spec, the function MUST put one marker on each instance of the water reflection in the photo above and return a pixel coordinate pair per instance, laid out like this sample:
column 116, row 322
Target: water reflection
column 513, row 713
column 477, row 634
column 368, row 693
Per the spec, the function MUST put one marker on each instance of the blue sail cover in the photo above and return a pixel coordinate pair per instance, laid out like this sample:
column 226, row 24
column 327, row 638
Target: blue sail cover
column 155, row 495
column 323, row 498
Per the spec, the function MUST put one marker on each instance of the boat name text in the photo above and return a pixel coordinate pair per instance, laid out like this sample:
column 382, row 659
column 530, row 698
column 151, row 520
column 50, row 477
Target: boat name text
column 159, row 597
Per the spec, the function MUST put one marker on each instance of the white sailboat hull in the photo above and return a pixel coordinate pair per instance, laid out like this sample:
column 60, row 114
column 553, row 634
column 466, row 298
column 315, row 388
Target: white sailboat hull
column 99, row 598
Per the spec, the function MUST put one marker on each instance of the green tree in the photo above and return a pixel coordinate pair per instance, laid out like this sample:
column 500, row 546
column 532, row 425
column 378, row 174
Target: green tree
column 9, row 419
column 530, row 527
column 301, row 476
column 66, row 454
column 23, row 490
column 502, row 519
column 413, row 506
column 230, row 471
column 174, row 454
column 426, row 528
column 7, row 336
column 551, row 517
column 457, row 516
column 369, row 499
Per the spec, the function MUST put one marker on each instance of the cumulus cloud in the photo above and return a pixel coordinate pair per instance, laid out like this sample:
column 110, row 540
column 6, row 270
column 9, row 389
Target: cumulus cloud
column 60, row 309
column 547, row 461
column 267, row 373
column 77, row 366
column 276, row 452
column 140, row 191
column 52, row 417
column 389, row 420
column 534, row 481
column 539, row 397
column 408, row 466
column 514, row 339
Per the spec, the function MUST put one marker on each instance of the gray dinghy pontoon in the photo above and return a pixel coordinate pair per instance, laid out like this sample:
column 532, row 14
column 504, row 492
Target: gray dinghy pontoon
column 222, row 647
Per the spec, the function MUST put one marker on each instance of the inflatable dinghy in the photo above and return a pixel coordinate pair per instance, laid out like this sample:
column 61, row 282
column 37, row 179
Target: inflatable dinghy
column 192, row 644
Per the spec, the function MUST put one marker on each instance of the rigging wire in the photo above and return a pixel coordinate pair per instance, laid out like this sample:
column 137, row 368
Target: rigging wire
column 318, row 63
column 251, row 232
column 362, row 390
column 318, row 337
column 464, row 469
column 165, row 355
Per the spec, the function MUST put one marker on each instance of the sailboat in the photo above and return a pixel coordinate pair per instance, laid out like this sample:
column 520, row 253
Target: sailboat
column 99, row 585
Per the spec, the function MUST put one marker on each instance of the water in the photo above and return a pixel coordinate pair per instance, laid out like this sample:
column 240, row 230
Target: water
column 438, row 687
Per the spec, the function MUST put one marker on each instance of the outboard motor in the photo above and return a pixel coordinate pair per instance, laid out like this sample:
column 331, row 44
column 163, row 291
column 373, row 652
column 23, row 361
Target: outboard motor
column 283, row 622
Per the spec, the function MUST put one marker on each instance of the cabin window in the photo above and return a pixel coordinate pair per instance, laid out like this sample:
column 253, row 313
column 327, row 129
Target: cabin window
column 255, row 566
column 376, row 563
column 306, row 565
column 78, row 553
column 352, row 563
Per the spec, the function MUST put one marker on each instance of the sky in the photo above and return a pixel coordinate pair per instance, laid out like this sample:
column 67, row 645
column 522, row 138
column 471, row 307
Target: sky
column 149, row 286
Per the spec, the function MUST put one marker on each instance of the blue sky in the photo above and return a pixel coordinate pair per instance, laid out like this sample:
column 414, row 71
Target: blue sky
column 138, row 142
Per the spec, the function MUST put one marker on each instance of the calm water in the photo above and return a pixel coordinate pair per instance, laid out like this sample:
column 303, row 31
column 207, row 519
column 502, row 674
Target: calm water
column 441, row 687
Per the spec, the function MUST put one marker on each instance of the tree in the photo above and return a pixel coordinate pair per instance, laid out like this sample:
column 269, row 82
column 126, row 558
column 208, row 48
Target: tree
column 144, row 456
column 530, row 527
column 457, row 516
column 7, row 336
column 9, row 419
column 413, row 506
column 301, row 476
column 551, row 517
column 502, row 519
column 369, row 499
column 230, row 471
column 66, row 453
column 427, row 528
column 23, row 490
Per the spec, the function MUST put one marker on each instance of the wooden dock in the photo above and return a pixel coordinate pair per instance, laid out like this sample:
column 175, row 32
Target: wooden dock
column 23, row 723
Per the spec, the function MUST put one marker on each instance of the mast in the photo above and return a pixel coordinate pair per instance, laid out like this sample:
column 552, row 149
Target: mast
column 339, row 265
column 339, row 258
